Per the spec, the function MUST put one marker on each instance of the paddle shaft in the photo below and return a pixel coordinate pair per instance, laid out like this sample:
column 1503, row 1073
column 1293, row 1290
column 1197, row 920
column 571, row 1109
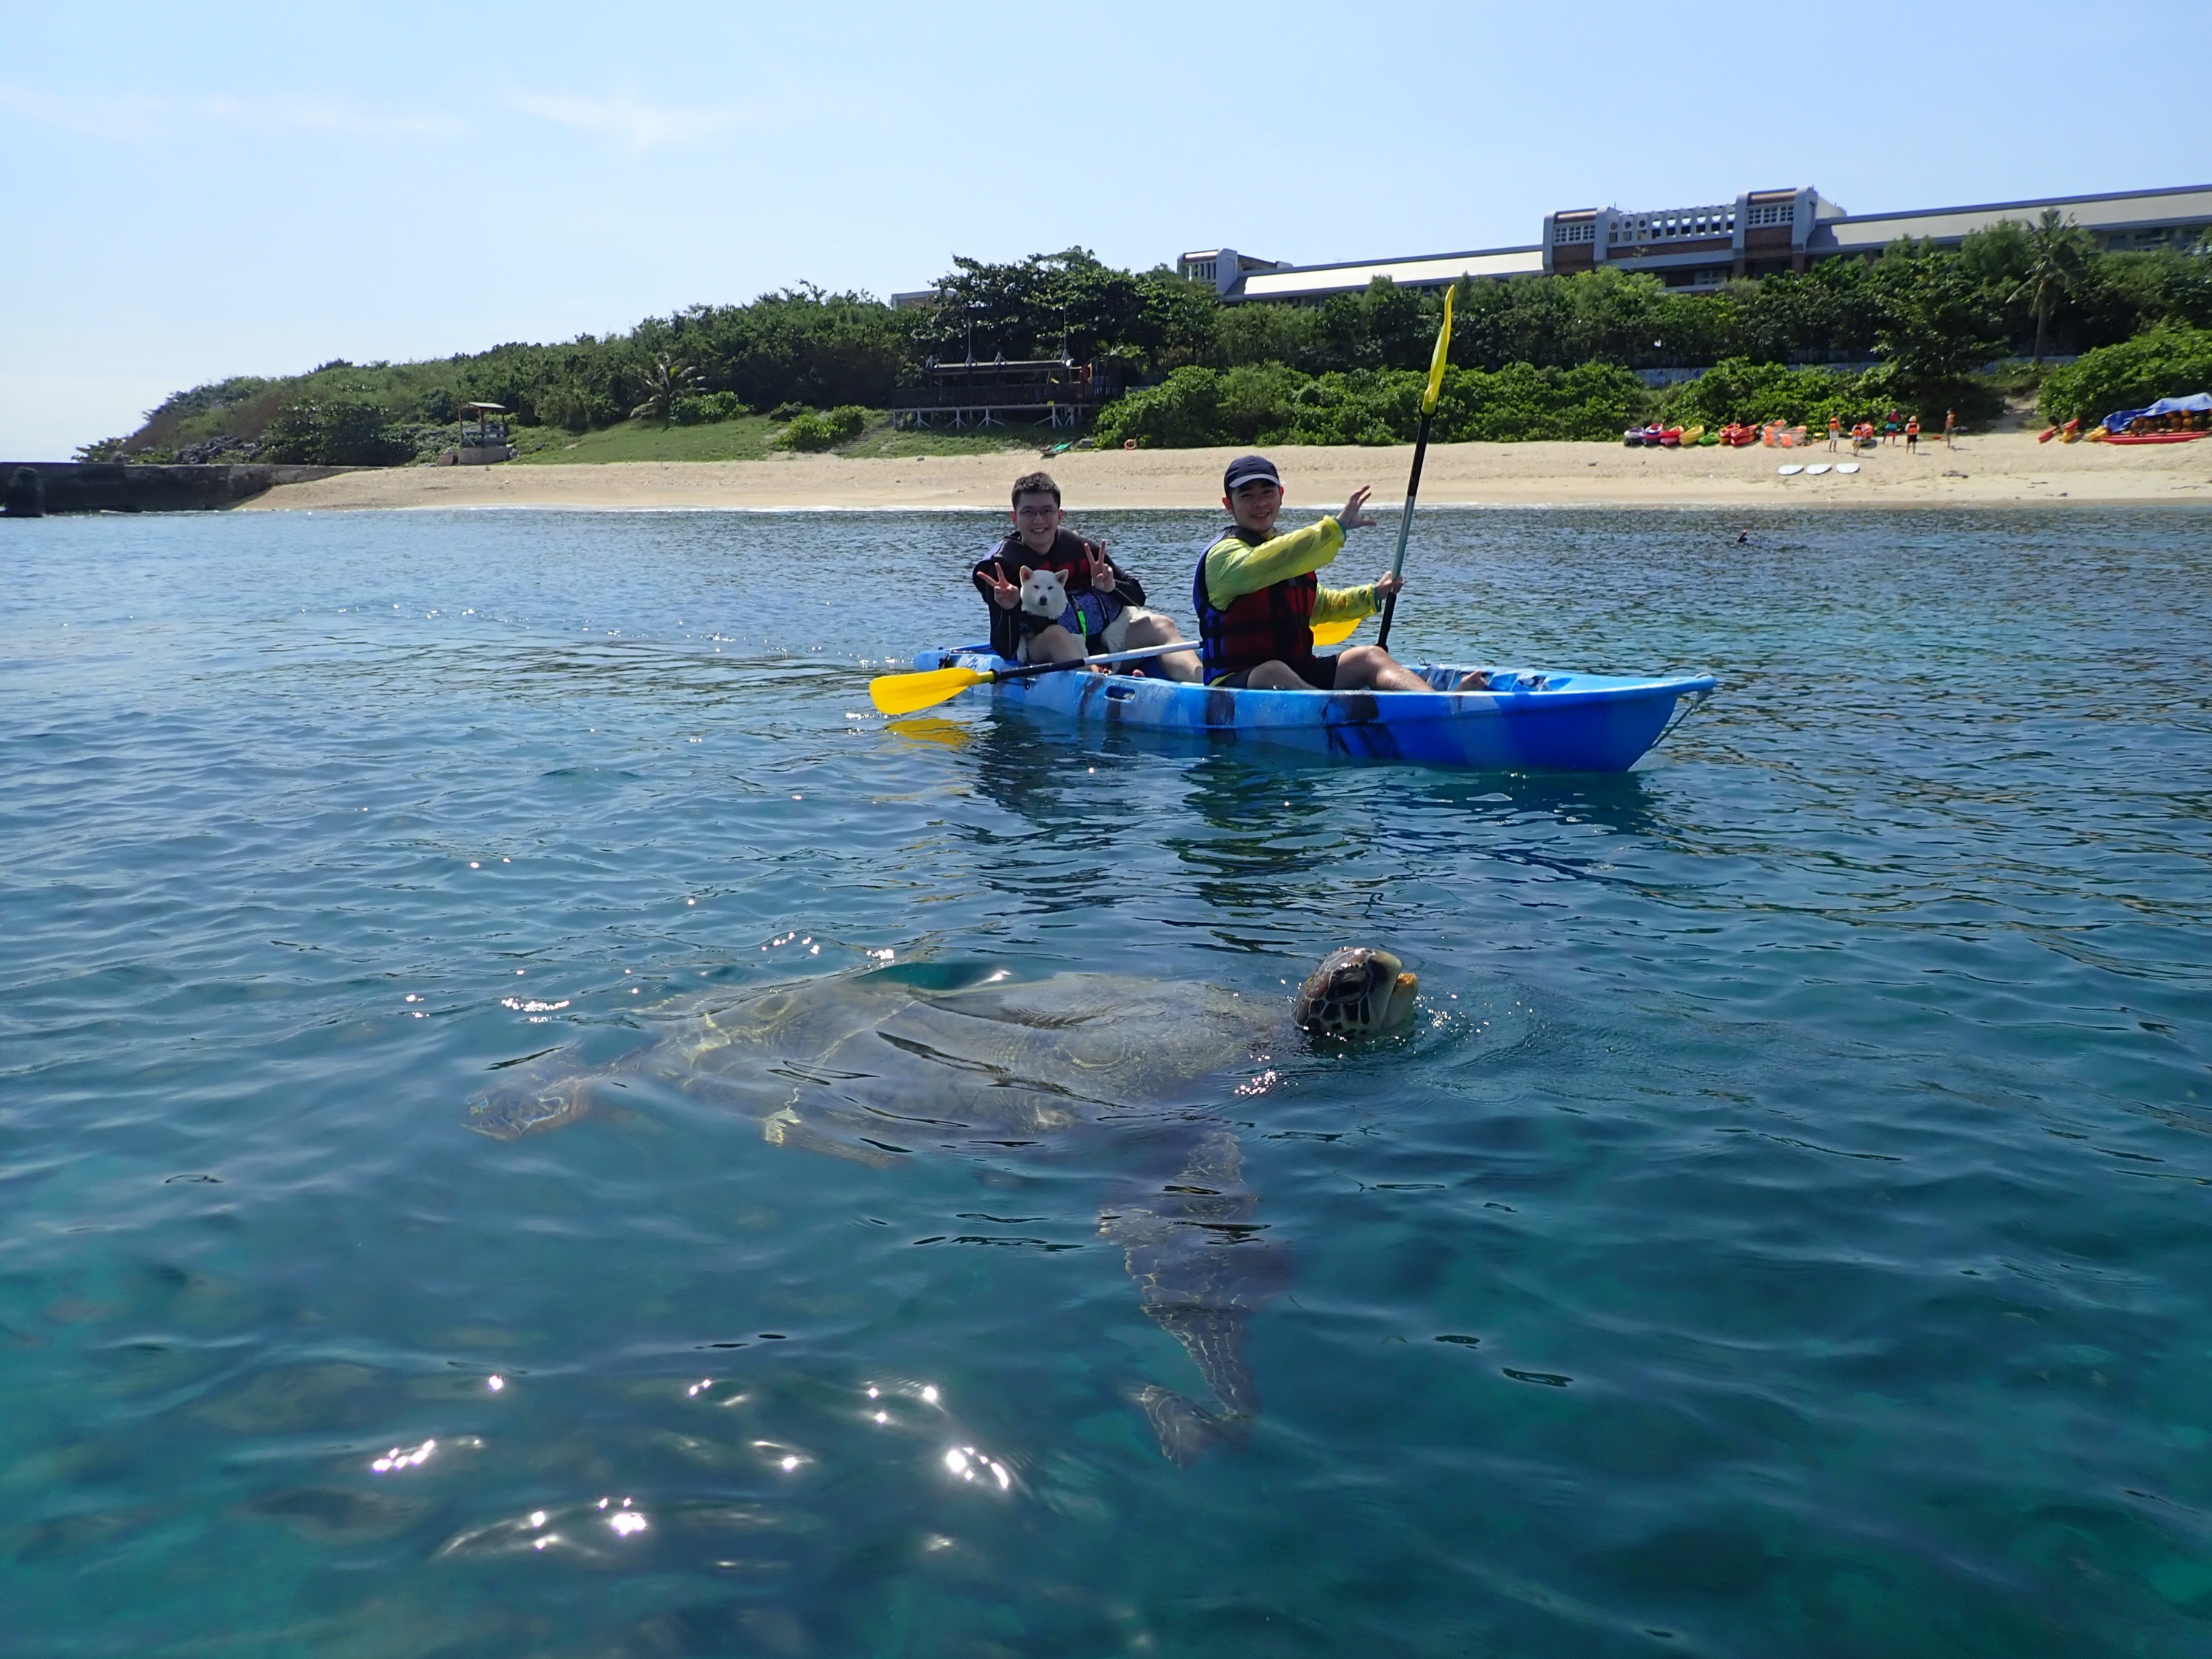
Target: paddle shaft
column 1025, row 672
column 1405, row 526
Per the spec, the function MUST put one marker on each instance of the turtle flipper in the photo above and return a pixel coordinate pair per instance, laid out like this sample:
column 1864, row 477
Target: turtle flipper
column 1202, row 1270
column 1214, row 1339
column 1187, row 1431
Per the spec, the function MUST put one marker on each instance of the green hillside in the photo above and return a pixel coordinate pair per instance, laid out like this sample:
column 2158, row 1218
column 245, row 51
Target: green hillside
column 1538, row 356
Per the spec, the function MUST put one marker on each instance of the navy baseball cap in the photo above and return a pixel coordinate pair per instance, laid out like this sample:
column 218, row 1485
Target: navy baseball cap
column 1245, row 468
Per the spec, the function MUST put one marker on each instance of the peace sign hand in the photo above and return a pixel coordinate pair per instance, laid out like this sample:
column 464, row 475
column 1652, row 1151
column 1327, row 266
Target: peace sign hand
column 1102, row 578
column 1003, row 594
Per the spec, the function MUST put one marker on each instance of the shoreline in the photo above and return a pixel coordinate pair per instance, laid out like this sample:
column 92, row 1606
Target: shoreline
column 2007, row 469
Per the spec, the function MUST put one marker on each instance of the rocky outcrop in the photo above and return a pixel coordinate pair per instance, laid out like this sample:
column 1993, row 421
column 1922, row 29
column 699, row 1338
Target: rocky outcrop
column 24, row 495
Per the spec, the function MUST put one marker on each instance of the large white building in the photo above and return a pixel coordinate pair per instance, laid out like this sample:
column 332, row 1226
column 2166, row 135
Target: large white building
column 1760, row 232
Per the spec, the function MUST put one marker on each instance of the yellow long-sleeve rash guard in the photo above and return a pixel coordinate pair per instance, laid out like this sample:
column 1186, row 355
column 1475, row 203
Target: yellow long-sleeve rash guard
column 1234, row 569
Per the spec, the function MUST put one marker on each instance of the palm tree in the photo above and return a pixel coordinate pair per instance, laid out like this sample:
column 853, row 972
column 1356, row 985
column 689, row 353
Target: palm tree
column 665, row 382
column 2058, row 258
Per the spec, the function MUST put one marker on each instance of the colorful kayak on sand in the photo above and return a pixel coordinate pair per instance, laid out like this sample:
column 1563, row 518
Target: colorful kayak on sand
column 1547, row 719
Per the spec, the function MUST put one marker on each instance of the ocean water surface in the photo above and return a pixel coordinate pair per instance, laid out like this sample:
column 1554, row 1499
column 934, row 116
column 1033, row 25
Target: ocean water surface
column 1785, row 1231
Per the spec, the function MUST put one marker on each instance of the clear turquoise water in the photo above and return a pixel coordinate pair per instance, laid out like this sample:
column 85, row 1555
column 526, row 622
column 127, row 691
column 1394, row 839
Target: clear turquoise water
column 1788, row 1234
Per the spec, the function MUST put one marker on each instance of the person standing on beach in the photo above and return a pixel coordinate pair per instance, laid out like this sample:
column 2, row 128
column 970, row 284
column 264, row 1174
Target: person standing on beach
column 1912, row 435
column 1835, row 431
column 1950, row 429
column 1040, row 541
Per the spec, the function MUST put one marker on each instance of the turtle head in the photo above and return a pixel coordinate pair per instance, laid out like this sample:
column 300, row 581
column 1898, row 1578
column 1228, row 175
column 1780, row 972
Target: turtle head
column 1359, row 991
column 524, row 1108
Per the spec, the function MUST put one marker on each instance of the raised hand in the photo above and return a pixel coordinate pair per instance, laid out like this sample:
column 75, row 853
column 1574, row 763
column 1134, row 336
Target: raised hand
column 1003, row 594
column 1354, row 514
column 1103, row 577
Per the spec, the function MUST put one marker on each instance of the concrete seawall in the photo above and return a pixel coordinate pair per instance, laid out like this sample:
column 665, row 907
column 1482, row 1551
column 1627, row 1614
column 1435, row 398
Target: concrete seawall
column 30, row 489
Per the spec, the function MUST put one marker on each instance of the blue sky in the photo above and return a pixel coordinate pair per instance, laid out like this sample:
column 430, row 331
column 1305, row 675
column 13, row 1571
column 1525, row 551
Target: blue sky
column 195, row 192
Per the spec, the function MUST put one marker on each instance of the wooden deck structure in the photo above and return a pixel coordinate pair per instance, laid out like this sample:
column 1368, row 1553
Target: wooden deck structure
column 1046, row 391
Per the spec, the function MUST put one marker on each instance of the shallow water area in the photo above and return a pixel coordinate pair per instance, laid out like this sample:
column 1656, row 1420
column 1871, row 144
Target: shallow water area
column 1783, row 1230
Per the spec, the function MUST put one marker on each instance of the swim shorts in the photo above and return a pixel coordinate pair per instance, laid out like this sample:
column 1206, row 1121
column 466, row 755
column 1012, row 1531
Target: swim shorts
column 1323, row 679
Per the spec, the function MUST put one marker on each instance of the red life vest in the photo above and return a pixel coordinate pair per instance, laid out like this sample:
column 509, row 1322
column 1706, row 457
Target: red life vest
column 1275, row 624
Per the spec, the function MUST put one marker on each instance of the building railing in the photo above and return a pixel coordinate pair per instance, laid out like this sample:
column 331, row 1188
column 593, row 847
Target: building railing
column 1673, row 224
column 1034, row 394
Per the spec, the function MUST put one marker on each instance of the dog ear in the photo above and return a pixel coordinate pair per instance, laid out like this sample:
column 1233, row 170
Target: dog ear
column 1027, row 573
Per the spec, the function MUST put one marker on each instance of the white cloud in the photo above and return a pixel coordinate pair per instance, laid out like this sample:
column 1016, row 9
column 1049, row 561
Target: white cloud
column 141, row 115
column 637, row 126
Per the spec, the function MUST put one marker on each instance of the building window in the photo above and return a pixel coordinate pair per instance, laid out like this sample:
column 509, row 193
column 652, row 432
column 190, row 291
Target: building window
column 1201, row 270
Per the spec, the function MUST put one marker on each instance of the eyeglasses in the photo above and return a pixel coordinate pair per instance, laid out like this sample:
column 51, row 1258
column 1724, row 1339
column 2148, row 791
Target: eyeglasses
column 1033, row 512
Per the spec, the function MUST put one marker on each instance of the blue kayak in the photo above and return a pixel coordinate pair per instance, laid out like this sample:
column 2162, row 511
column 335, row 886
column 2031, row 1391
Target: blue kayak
column 1527, row 719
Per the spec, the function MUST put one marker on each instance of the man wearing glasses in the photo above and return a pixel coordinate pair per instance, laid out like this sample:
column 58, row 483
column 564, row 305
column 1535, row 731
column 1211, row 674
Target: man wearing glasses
column 1041, row 542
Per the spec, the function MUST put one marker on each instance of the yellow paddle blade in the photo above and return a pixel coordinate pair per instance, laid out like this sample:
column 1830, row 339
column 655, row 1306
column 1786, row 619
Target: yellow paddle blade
column 1436, row 362
column 934, row 728
column 907, row 694
column 1334, row 633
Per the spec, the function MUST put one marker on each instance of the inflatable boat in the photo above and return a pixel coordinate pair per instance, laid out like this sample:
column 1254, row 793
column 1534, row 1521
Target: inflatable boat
column 1527, row 719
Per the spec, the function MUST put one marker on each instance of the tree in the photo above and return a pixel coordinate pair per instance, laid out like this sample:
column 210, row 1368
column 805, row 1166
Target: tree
column 1933, row 323
column 1050, row 303
column 2059, row 252
column 665, row 380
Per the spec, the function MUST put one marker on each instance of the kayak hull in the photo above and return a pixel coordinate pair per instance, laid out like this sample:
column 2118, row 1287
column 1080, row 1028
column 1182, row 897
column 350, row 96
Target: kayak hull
column 1547, row 721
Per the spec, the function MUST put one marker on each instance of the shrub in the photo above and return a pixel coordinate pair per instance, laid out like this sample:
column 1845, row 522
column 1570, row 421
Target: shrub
column 1737, row 389
column 1522, row 404
column 1275, row 404
column 1182, row 412
column 1255, row 400
column 333, row 433
column 2169, row 361
column 1367, row 406
column 577, row 407
column 824, row 431
column 710, row 407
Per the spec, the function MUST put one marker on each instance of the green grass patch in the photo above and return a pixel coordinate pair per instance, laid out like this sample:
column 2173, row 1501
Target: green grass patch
column 878, row 438
column 750, row 438
column 745, row 439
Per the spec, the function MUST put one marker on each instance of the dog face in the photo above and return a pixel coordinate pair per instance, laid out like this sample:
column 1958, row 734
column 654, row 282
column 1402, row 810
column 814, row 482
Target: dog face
column 1044, row 593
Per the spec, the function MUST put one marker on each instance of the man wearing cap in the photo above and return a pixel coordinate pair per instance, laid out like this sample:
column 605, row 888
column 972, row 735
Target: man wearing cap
column 1257, row 598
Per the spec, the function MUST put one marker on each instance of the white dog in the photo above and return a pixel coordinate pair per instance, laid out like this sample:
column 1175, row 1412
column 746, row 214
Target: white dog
column 1093, row 616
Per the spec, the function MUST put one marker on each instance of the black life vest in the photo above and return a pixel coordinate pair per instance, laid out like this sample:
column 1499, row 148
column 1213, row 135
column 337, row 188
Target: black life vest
column 1274, row 624
column 1071, row 557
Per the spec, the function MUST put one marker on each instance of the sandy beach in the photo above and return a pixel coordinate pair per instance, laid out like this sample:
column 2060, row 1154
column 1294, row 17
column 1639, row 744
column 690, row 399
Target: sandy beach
column 1997, row 469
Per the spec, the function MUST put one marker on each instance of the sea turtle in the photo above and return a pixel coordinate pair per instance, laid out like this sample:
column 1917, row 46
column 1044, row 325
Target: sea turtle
column 875, row 1065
